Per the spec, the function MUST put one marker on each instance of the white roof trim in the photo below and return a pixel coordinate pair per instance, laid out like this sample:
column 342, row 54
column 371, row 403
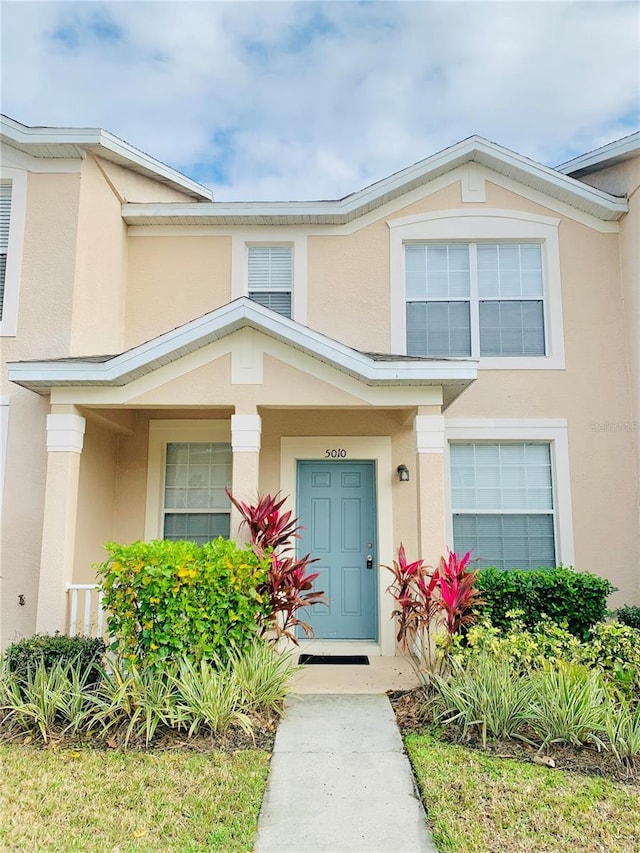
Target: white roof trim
column 501, row 160
column 101, row 143
column 607, row 155
column 121, row 369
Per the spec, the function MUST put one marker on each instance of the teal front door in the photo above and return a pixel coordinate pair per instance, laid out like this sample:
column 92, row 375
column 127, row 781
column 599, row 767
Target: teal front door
column 336, row 506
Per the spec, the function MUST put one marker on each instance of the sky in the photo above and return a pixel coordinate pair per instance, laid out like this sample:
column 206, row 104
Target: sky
column 308, row 100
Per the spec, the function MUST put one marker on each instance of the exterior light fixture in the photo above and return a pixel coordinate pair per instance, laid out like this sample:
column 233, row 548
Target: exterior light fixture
column 403, row 473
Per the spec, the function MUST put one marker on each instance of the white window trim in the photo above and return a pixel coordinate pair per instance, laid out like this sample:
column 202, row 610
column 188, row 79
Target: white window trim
column 480, row 225
column 162, row 433
column 18, row 178
column 551, row 430
column 240, row 265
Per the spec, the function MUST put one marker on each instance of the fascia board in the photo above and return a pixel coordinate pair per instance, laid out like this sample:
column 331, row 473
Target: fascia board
column 99, row 142
column 487, row 153
column 149, row 356
column 600, row 158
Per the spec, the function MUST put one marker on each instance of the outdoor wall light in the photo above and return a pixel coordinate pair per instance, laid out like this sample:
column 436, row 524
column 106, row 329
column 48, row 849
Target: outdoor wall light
column 403, row 473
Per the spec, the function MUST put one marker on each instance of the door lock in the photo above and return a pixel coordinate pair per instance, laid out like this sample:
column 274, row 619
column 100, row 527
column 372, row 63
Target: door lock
column 369, row 561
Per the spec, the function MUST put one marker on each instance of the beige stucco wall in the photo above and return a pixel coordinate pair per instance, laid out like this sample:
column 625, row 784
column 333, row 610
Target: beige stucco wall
column 171, row 280
column 49, row 258
column 96, row 499
column 98, row 304
column 136, row 188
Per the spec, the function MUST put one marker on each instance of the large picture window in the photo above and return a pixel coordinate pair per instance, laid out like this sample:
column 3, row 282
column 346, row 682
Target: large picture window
column 503, row 503
column 474, row 299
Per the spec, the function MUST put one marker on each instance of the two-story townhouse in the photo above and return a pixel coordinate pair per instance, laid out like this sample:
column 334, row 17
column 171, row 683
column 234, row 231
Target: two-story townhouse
column 445, row 358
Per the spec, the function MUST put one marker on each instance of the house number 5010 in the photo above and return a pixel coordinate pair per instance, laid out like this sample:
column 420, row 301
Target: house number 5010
column 335, row 453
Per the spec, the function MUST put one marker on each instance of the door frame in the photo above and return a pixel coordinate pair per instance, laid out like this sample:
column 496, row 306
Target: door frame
column 375, row 449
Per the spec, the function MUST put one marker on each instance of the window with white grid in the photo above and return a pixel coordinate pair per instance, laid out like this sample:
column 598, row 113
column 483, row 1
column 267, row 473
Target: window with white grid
column 474, row 299
column 503, row 503
column 270, row 276
column 196, row 506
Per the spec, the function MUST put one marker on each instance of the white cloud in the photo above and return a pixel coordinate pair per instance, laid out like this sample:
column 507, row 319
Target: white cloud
column 308, row 100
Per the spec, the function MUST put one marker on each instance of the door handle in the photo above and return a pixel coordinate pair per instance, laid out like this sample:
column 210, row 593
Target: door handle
column 369, row 561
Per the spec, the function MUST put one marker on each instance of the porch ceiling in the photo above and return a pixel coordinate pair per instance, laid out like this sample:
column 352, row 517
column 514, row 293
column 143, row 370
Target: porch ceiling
column 371, row 369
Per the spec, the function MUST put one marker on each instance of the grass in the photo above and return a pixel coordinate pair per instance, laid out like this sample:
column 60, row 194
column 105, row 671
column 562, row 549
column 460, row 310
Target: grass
column 94, row 801
column 478, row 803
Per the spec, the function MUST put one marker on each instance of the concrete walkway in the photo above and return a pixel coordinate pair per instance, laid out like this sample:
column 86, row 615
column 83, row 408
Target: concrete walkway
column 340, row 781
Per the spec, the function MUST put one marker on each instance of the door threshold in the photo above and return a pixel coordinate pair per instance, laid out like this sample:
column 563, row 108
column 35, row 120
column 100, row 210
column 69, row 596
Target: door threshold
column 339, row 647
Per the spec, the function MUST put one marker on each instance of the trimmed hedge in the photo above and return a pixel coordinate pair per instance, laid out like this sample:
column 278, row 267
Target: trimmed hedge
column 49, row 649
column 167, row 600
column 578, row 599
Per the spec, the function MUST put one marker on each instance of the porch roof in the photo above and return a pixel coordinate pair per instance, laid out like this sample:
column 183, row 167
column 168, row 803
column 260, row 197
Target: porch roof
column 452, row 374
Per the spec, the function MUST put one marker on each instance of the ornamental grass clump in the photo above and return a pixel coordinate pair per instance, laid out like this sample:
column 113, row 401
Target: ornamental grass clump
column 568, row 706
column 485, row 695
column 622, row 726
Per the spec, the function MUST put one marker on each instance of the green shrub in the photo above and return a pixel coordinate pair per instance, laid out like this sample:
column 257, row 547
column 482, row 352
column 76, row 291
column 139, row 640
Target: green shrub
column 525, row 649
column 629, row 615
column 577, row 599
column 49, row 650
column 169, row 600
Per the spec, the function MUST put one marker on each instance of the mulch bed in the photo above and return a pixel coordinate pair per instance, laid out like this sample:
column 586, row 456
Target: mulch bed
column 413, row 715
column 233, row 740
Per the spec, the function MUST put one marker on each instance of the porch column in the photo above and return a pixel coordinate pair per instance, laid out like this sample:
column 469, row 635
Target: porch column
column 246, row 432
column 432, row 535
column 65, row 438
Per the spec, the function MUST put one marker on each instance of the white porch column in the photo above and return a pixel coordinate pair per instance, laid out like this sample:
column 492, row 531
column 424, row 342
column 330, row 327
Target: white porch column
column 429, row 434
column 65, row 438
column 246, row 432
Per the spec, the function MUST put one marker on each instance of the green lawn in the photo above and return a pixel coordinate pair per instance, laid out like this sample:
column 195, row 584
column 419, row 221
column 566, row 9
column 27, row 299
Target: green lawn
column 112, row 802
column 480, row 804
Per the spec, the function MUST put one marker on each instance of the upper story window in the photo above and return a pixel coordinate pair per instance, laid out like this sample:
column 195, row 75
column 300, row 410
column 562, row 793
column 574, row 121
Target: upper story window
column 5, row 222
column 475, row 299
column 478, row 283
column 270, row 277
column 13, row 201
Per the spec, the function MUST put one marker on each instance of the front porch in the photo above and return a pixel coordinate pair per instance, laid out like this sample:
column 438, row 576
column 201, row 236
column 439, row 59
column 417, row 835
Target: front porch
column 142, row 446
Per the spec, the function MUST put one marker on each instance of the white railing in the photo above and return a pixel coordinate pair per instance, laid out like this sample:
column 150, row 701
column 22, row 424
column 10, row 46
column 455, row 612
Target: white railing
column 86, row 600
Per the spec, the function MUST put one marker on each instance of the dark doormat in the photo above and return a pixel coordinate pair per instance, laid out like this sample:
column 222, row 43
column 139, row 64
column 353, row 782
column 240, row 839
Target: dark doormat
column 334, row 660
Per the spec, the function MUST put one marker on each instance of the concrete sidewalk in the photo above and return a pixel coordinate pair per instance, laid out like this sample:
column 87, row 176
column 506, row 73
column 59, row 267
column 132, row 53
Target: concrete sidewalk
column 340, row 781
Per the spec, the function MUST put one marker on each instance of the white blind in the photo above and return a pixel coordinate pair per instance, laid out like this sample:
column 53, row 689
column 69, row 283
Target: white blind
column 509, row 270
column 270, row 268
column 271, row 276
column 5, row 215
column 436, row 271
column 438, row 329
column 502, row 498
column 196, row 506
column 500, row 477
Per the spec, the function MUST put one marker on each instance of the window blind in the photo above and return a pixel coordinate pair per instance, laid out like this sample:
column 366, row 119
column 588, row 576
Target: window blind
column 270, row 275
column 5, row 221
column 502, row 500
column 196, row 506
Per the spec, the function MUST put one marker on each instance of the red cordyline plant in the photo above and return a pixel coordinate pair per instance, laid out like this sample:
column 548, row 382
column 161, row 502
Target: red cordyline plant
column 427, row 597
column 289, row 584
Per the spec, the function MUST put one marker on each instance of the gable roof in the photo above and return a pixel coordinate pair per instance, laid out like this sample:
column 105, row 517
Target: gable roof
column 601, row 158
column 475, row 149
column 75, row 142
column 454, row 374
